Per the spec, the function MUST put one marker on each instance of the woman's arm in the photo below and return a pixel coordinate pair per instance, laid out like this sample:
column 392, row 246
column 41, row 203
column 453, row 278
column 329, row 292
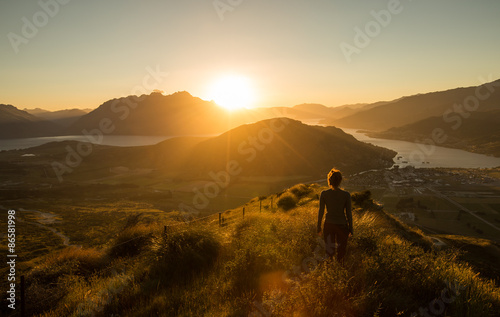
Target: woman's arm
column 348, row 213
column 321, row 211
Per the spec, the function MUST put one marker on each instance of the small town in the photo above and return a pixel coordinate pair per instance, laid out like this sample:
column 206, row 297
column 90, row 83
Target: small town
column 438, row 200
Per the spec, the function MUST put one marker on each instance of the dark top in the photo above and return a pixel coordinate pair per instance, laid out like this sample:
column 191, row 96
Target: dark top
column 338, row 206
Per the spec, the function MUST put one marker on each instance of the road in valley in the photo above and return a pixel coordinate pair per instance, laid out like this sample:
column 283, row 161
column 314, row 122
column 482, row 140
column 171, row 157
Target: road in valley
column 462, row 207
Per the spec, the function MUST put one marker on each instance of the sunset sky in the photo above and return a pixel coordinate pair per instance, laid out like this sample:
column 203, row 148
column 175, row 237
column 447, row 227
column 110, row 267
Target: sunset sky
column 82, row 53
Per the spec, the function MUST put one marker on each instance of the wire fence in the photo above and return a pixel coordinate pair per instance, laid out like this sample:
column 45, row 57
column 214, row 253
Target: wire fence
column 223, row 220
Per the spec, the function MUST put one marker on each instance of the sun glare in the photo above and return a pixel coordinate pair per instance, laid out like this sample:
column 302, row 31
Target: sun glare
column 233, row 92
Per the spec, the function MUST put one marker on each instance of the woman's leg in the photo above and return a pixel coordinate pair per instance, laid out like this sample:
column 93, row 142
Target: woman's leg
column 342, row 234
column 329, row 237
column 335, row 240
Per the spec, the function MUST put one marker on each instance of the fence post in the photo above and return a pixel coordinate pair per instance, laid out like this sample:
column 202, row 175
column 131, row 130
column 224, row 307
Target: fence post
column 220, row 219
column 23, row 297
column 164, row 229
column 243, row 212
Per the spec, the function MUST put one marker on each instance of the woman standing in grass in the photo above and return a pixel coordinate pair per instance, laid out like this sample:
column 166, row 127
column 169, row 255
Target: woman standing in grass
column 338, row 220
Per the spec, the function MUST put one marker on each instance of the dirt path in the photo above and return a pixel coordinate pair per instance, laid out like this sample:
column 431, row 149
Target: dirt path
column 43, row 220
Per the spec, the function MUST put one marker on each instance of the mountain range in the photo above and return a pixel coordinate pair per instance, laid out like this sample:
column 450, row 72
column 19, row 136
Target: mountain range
column 176, row 114
column 183, row 114
column 15, row 123
column 63, row 118
column 411, row 109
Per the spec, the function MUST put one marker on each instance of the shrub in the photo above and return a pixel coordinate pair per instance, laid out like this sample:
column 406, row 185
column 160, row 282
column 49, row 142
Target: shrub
column 178, row 254
column 300, row 191
column 360, row 198
column 287, row 201
column 50, row 281
column 131, row 241
column 71, row 260
column 364, row 200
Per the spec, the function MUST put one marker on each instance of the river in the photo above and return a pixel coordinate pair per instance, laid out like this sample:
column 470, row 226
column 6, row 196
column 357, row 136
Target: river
column 421, row 155
column 409, row 153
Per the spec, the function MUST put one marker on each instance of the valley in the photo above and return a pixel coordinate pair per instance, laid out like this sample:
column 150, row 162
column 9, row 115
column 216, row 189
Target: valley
column 437, row 200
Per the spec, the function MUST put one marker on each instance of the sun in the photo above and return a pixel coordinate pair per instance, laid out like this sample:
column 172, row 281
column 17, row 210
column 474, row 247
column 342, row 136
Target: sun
column 232, row 92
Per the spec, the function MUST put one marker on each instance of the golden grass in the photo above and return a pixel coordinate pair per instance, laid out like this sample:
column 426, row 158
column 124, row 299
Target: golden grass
column 270, row 260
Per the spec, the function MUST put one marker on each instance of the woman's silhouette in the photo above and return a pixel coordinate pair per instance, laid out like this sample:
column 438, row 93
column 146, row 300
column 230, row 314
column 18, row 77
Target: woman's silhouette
column 338, row 219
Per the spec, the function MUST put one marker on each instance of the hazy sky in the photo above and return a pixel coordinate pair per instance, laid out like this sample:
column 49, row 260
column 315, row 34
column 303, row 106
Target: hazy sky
column 83, row 52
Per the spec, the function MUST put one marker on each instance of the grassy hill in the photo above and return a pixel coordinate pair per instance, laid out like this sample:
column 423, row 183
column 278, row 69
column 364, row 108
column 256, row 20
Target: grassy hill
column 480, row 132
column 280, row 147
column 265, row 263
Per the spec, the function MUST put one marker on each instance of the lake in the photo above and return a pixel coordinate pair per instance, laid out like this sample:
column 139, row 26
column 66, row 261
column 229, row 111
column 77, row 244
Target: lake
column 115, row 140
column 420, row 155
column 409, row 153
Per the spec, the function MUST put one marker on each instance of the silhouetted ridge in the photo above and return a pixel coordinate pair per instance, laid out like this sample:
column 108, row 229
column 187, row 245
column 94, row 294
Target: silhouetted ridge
column 480, row 132
column 279, row 147
column 15, row 123
column 156, row 114
column 411, row 109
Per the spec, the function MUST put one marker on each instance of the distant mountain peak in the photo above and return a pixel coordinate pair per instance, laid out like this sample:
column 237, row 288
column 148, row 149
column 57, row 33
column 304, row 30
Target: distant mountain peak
column 10, row 107
column 35, row 111
column 182, row 93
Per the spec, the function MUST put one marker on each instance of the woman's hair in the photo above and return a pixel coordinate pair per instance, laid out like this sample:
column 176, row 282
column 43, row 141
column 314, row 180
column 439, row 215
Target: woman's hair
column 334, row 178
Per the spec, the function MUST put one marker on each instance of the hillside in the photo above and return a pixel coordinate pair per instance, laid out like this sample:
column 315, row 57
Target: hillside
column 260, row 264
column 270, row 148
column 479, row 133
column 411, row 109
column 15, row 123
column 280, row 147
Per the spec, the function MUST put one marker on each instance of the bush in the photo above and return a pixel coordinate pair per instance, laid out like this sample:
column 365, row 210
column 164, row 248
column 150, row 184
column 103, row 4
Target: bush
column 179, row 254
column 50, row 281
column 364, row 200
column 287, row 201
column 131, row 241
column 300, row 191
column 71, row 260
column 360, row 198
